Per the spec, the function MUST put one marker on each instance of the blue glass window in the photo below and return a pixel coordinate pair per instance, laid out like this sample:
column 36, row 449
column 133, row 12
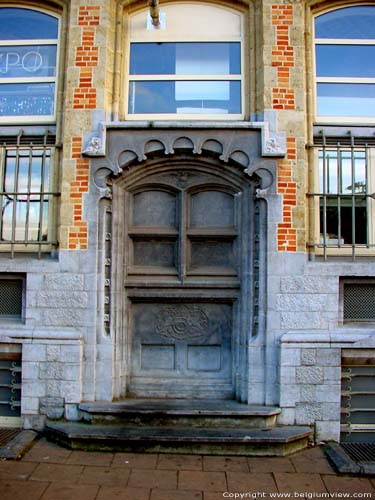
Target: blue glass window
column 157, row 83
column 345, row 63
column 28, row 58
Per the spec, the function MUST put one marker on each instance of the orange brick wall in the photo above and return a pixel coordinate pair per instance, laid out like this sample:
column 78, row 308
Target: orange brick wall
column 283, row 98
column 85, row 98
column 286, row 234
column 79, row 186
column 283, row 57
column 87, row 57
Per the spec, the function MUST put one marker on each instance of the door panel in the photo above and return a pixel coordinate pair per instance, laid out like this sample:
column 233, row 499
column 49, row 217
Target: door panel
column 176, row 343
column 183, row 242
column 154, row 208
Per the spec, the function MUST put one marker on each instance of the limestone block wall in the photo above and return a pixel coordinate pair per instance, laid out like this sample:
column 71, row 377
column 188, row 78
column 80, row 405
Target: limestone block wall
column 51, row 380
column 310, row 370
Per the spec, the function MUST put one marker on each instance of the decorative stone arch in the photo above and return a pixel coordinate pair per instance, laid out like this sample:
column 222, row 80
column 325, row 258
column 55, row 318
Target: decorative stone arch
column 131, row 150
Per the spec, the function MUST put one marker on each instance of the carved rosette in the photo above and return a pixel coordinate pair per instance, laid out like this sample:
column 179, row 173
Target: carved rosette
column 182, row 322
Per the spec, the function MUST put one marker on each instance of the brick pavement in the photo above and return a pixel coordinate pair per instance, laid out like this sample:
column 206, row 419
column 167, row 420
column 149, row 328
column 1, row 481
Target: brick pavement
column 48, row 472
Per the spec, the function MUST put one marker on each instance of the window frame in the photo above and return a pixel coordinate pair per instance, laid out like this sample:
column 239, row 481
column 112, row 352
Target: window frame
column 48, row 194
column 39, row 119
column 321, row 245
column 353, row 80
column 165, row 37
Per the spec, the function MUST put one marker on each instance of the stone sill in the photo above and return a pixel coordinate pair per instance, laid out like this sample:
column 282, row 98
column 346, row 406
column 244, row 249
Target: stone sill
column 340, row 337
column 24, row 334
column 273, row 142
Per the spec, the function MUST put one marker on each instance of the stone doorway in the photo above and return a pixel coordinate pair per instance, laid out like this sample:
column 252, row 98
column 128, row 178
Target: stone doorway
column 183, row 261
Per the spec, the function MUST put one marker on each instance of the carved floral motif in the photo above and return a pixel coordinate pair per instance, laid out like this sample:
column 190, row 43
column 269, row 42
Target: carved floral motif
column 182, row 322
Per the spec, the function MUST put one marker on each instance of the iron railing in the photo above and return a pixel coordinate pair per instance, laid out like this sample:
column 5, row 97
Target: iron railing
column 358, row 398
column 343, row 195
column 28, row 194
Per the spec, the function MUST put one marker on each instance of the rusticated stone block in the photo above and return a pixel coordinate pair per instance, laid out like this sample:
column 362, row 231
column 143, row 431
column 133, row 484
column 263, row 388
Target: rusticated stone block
column 64, row 281
column 309, row 375
column 307, row 413
column 308, row 393
column 62, row 299
column 50, row 371
column 308, row 357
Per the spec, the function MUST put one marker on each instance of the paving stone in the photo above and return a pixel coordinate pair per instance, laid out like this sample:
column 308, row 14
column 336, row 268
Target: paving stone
column 121, row 493
column 353, row 485
column 317, row 465
column 90, row 458
column 57, row 473
column 153, row 478
column 310, row 453
column 43, row 451
column 180, row 462
column 16, row 470
column 270, row 464
column 135, row 460
column 21, row 490
column 63, row 491
column 175, row 495
column 194, row 480
column 110, row 476
column 234, row 464
column 254, row 483
column 214, row 495
column 288, row 482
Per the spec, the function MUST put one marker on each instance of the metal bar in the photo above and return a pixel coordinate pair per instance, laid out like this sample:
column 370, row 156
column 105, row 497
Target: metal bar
column 367, row 180
column 2, row 192
column 14, row 211
column 29, row 173
column 339, row 192
column 324, row 200
column 352, row 156
column 41, row 206
column 154, row 12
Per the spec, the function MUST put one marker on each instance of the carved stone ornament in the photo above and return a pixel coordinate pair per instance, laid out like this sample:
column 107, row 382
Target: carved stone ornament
column 94, row 147
column 182, row 322
column 272, row 145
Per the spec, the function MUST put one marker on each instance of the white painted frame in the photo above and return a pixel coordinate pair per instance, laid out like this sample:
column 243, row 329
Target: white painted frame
column 205, row 36
column 34, row 42
column 339, row 41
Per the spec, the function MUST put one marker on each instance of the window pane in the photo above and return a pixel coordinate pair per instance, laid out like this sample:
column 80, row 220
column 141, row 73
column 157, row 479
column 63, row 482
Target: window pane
column 345, row 61
column 26, row 24
column 185, row 59
column 351, row 22
column 29, row 212
column 29, row 61
column 339, row 230
column 346, row 99
column 343, row 172
column 185, row 97
column 23, row 99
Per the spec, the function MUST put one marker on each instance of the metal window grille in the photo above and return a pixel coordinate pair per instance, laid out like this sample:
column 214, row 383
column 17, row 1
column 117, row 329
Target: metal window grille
column 344, row 194
column 358, row 398
column 11, row 295
column 27, row 194
column 359, row 302
column 10, row 386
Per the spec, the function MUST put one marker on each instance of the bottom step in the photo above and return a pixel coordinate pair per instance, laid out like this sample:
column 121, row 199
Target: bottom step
column 278, row 441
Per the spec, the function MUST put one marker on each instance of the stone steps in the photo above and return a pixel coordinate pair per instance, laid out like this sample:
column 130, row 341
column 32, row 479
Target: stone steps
column 227, row 414
column 218, row 427
column 279, row 441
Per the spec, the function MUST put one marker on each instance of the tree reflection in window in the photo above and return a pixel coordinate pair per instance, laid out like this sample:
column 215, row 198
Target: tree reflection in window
column 343, row 202
column 25, row 197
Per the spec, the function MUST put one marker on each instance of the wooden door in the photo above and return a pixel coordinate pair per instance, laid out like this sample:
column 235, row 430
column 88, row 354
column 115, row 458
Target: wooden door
column 184, row 257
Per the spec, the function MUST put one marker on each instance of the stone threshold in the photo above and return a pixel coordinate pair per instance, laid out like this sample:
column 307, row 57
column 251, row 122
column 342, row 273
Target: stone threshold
column 182, row 407
column 344, row 464
column 18, row 446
